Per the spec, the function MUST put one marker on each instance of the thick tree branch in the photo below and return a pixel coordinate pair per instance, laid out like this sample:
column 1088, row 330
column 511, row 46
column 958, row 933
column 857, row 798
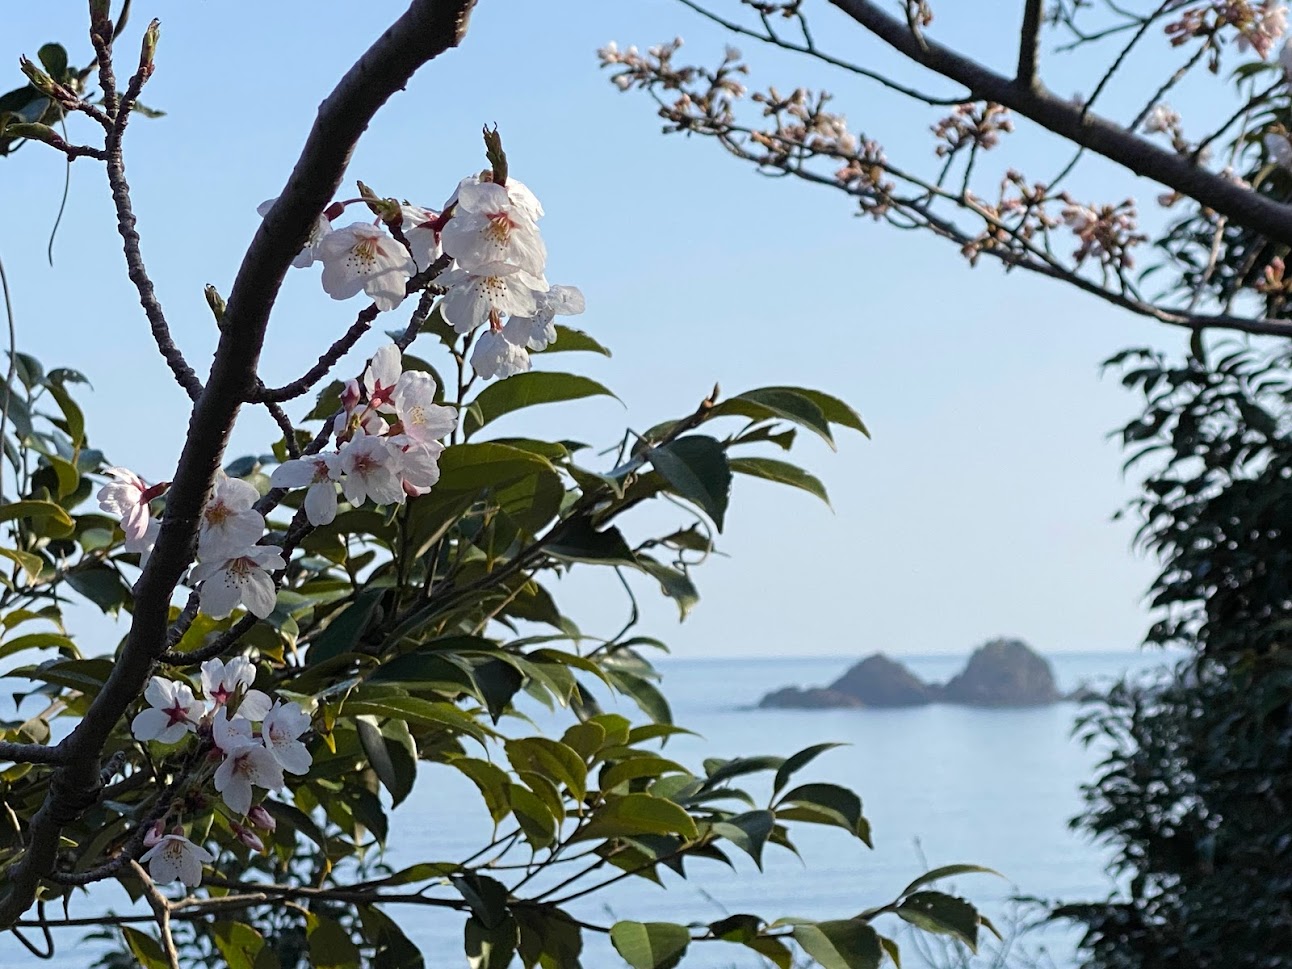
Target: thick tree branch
column 426, row 29
column 29, row 754
column 1242, row 206
column 1029, row 44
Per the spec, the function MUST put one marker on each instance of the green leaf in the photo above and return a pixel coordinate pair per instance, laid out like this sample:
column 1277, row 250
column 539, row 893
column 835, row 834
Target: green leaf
column 736, row 928
column 527, row 390
column 835, row 410
column 345, row 630
column 486, row 896
column 580, row 542
column 948, row 871
column 391, row 948
column 696, row 467
column 825, row 804
column 782, row 472
column 490, row 948
column 493, row 782
column 31, row 565
column 841, row 944
column 642, row 692
column 631, row 814
column 330, row 945
column 486, row 466
column 54, row 59
column 748, row 832
column 32, row 511
column 102, row 585
column 534, row 816
column 238, row 943
column 392, row 754
column 797, row 762
column 892, row 949
column 638, row 767
column 942, row 914
column 674, row 583
column 430, row 713
column 145, row 948
column 774, row 950
column 770, row 403
column 650, row 945
column 553, row 760
column 570, row 339
column 71, row 414
column 39, row 641
column 497, row 682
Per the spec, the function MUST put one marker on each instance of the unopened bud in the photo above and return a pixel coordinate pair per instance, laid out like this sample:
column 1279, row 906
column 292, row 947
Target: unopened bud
column 350, row 395
column 216, row 302
column 385, row 209
column 248, row 837
column 262, row 818
column 41, row 81
column 150, row 46
column 155, row 833
column 497, row 157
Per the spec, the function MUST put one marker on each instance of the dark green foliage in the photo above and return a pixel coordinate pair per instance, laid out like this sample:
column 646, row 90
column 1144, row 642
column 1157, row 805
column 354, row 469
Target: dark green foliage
column 1194, row 793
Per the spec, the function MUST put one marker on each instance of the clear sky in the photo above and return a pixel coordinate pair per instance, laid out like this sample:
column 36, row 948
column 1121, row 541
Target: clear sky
column 983, row 504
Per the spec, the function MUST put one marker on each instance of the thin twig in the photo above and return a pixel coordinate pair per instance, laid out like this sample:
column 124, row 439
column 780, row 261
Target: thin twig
column 161, row 911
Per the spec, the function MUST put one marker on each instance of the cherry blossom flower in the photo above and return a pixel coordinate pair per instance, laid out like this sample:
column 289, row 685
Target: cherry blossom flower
column 145, row 545
column 537, row 331
column 228, row 521
column 362, row 257
column 1163, row 118
column 493, row 290
column 520, row 194
column 380, row 377
column 172, row 712
column 419, row 467
column 128, row 498
column 221, row 681
column 419, row 416
column 369, row 468
column 247, row 763
column 489, row 227
column 175, row 858
column 281, row 731
column 418, row 226
column 307, row 255
column 496, row 356
column 241, row 579
column 319, row 473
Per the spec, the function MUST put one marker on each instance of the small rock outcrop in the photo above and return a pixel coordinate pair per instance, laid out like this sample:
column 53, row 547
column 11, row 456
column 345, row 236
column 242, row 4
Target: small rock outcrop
column 813, row 698
column 878, row 681
column 1004, row 673
column 1001, row 673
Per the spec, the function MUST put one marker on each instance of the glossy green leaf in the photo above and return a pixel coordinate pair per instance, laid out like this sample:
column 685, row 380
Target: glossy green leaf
column 569, row 339
column 391, row 753
column 948, row 871
column 238, row 942
column 552, row 759
column 33, row 511
column 580, row 542
column 697, row 469
column 796, row 762
column 841, row 944
column 771, row 403
column 825, row 804
column 632, row 814
column 345, row 630
column 650, row 945
column 330, row 945
column 943, row 914
column 782, row 472
column 487, row 897
column 527, row 390
column 490, row 947
column 748, row 832
column 145, row 948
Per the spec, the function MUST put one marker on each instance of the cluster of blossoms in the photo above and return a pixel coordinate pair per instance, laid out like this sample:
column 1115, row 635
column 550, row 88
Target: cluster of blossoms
column 388, row 442
column 1104, row 232
column 249, row 756
column 1277, row 142
column 1259, row 25
column 233, row 570
column 491, row 260
column 974, row 123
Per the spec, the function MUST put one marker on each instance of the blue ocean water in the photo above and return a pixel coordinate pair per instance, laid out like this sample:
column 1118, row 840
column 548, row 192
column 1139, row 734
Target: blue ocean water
column 941, row 784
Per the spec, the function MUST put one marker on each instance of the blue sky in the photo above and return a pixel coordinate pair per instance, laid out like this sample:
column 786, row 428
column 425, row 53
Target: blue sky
column 982, row 505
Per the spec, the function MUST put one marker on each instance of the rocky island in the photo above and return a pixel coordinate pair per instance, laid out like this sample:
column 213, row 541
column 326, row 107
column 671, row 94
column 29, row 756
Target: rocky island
column 1000, row 673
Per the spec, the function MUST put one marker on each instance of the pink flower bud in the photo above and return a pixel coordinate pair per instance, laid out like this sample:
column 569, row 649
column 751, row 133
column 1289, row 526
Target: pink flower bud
column 262, row 819
column 155, row 834
column 248, row 837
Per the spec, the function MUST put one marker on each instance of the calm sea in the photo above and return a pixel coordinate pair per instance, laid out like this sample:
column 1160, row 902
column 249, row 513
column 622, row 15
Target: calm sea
column 940, row 784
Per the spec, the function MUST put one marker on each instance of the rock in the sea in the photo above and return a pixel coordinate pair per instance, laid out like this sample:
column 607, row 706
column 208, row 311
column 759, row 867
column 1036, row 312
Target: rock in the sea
column 813, row 698
column 878, row 681
column 1004, row 673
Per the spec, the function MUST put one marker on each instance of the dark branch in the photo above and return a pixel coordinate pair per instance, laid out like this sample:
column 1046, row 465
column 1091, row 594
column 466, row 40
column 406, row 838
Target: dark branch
column 1242, row 206
column 1029, row 43
column 29, row 754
